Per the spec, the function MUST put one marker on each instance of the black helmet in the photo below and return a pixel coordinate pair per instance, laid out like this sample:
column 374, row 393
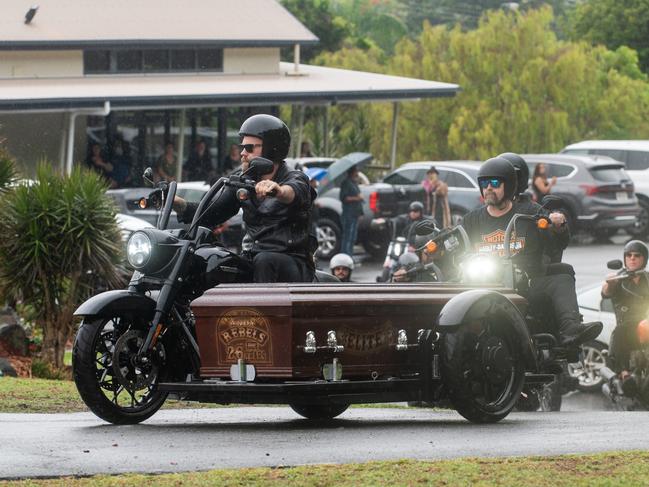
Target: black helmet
column 416, row 206
column 498, row 167
column 273, row 132
column 637, row 246
column 522, row 171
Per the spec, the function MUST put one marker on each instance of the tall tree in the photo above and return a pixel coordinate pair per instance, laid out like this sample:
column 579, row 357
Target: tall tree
column 615, row 23
column 523, row 90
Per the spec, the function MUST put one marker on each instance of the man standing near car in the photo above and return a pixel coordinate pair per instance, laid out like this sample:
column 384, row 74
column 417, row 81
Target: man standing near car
column 352, row 201
column 486, row 227
column 278, row 239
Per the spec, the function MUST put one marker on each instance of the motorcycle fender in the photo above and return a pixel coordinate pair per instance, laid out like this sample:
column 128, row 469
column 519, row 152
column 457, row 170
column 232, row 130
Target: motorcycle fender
column 121, row 300
column 478, row 304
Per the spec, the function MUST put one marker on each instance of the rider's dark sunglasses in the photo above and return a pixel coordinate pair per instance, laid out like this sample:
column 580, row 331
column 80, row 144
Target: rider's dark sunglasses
column 633, row 255
column 494, row 182
column 249, row 148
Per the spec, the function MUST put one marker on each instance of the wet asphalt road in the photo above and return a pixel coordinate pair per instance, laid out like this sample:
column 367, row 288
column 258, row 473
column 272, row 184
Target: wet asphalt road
column 187, row 440
column 80, row 444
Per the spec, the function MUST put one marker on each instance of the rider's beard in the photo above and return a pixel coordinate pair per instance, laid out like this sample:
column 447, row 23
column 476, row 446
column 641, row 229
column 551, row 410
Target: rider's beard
column 491, row 199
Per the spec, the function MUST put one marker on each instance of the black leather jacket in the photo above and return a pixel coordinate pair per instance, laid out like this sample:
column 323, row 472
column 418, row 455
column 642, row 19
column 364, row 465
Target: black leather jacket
column 271, row 226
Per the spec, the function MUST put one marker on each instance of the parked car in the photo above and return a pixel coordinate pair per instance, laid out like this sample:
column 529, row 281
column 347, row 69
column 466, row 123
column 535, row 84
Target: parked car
column 598, row 192
column 594, row 308
column 126, row 200
column 128, row 224
column 635, row 154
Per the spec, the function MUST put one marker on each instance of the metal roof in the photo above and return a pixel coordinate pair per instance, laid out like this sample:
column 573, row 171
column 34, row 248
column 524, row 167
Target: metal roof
column 77, row 24
column 316, row 85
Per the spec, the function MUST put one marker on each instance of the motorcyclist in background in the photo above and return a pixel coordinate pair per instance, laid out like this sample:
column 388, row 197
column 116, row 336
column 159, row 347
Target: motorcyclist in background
column 342, row 266
column 486, row 227
column 630, row 299
column 404, row 225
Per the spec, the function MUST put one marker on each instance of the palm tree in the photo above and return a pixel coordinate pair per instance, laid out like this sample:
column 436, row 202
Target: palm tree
column 59, row 238
column 7, row 170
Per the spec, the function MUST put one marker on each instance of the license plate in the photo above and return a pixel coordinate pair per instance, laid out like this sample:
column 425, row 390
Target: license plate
column 622, row 195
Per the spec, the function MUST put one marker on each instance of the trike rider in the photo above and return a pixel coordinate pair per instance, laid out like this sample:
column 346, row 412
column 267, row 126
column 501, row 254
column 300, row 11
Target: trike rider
column 279, row 240
column 630, row 299
column 486, row 227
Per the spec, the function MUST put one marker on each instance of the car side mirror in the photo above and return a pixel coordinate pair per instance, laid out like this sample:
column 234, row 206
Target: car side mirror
column 260, row 166
column 614, row 265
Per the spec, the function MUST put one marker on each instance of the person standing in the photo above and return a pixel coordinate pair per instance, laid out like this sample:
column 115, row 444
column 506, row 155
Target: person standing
column 540, row 183
column 352, row 202
column 436, row 198
column 199, row 165
column 165, row 169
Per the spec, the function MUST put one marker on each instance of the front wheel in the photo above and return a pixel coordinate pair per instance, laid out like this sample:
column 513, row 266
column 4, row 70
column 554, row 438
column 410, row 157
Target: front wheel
column 108, row 377
column 329, row 238
column 483, row 371
column 318, row 411
column 587, row 370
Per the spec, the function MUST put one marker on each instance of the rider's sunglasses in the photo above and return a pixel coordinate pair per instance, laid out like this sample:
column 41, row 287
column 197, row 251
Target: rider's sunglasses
column 633, row 255
column 494, row 182
column 249, row 148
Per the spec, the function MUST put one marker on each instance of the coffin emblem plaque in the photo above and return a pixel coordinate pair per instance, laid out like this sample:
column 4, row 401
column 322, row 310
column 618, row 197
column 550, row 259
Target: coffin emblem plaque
column 244, row 333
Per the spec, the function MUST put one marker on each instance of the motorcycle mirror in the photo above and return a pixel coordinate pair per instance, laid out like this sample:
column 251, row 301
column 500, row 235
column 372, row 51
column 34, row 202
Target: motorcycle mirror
column 614, row 264
column 552, row 202
column 259, row 166
column 148, row 176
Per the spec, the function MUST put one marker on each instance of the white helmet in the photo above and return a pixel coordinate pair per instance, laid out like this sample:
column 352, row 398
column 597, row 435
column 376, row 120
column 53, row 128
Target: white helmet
column 341, row 260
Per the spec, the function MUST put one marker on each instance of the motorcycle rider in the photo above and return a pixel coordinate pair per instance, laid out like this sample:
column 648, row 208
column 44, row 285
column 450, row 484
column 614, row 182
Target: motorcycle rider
column 342, row 266
column 630, row 299
column 404, row 225
column 279, row 239
column 486, row 227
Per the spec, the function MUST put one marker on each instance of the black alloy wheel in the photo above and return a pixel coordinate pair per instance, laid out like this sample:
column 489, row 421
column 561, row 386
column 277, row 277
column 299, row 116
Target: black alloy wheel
column 482, row 370
column 108, row 377
column 641, row 227
column 319, row 411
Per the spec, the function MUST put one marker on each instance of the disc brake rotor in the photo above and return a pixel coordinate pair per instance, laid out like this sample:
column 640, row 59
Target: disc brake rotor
column 128, row 372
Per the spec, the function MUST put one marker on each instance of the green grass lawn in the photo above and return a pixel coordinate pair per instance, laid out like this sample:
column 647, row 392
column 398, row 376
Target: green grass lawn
column 607, row 469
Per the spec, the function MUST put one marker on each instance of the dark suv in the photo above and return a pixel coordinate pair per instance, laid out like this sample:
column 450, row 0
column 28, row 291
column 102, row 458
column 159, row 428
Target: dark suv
column 597, row 191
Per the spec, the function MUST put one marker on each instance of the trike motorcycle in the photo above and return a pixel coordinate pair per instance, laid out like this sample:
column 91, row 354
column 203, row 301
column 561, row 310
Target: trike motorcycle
column 191, row 325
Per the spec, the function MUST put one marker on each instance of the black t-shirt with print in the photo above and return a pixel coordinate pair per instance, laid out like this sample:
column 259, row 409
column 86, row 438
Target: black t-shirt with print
column 487, row 235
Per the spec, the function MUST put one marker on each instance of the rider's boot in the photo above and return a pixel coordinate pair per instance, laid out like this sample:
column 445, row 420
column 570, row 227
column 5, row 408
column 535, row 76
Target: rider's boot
column 575, row 333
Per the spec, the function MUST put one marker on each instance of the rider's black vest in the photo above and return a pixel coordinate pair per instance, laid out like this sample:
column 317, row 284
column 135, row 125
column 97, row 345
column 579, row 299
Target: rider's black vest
column 631, row 301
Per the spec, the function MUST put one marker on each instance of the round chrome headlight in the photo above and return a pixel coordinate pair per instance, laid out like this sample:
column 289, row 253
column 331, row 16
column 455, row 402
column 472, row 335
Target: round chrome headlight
column 138, row 250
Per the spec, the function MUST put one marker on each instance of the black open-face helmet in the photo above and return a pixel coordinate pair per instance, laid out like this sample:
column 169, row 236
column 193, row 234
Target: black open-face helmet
column 499, row 168
column 639, row 247
column 522, row 171
column 272, row 131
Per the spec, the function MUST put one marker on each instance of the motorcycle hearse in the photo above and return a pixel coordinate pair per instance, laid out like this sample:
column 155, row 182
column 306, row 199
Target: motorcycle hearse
column 191, row 324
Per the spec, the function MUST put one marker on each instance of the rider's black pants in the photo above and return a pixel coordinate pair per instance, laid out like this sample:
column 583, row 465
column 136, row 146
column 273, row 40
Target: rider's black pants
column 558, row 291
column 276, row 267
column 624, row 340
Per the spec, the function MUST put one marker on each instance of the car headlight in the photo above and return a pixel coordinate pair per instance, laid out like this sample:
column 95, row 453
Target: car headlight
column 138, row 250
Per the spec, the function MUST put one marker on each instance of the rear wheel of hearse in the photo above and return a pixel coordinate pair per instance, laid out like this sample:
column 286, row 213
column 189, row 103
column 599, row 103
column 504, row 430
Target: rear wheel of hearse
column 318, row 411
column 483, row 369
column 107, row 377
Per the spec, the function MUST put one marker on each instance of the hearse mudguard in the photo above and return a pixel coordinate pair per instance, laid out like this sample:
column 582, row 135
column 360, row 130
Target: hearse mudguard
column 476, row 304
column 120, row 300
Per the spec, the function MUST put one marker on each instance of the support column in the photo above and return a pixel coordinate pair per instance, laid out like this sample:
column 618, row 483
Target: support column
column 180, row 145
column 395, row 121
column 64, row 138
column 298, row 146
column 325, row 130
column 70, row 151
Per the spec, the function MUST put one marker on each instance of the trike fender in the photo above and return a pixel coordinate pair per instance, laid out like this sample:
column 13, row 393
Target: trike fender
column 478, row 304
column 121, row 300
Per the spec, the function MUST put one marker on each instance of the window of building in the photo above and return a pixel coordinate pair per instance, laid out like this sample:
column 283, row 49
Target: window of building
column 115, row 61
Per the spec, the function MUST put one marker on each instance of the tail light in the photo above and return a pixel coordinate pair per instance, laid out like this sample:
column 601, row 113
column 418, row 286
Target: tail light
column 643, row 331
column 374, row 202
column 590, row 189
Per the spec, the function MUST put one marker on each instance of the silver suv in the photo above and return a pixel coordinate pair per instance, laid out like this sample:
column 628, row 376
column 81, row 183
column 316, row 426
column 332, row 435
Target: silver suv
column 635, row 154
column 597, row 191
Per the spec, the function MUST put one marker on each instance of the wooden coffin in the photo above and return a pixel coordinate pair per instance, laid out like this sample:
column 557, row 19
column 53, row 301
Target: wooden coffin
column 266, row 325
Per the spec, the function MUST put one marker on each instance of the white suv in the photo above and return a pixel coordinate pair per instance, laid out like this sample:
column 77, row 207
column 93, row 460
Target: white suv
column 635, row 154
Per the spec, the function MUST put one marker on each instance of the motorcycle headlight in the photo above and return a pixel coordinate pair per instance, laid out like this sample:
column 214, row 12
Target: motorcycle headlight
column 138, row 250
column 481, row 269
